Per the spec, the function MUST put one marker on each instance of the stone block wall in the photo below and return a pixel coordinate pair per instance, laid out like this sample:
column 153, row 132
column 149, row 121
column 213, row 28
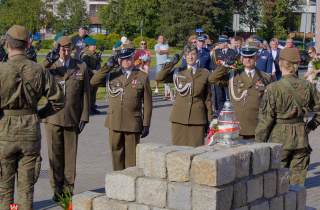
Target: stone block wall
column 245, row 176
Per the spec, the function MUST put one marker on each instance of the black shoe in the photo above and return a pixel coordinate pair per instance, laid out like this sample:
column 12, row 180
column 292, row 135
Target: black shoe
column 55, row 197
column 96, row 111
column 216, row 115
column 92, row 111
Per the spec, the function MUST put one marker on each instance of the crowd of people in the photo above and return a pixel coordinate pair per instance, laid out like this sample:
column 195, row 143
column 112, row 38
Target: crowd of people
column 269, row 100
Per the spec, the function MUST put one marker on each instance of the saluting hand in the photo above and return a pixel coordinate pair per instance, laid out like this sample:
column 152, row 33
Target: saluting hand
column 175, row 59
column 231, row 60
column 111, row 62
column 54, row 55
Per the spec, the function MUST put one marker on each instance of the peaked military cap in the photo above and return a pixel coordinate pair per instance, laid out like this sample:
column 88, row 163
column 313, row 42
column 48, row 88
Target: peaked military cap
column 189, row 47
column 201, row 37
column 65, row 41
column 223, row 38
column 290, row 54
column 57, row 37
column 91, row 41
column 250, row 48
column 125, row 50
column 18, row 33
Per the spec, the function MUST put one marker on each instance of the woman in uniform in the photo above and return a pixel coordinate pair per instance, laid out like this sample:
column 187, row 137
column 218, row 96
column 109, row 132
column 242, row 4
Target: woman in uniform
column 281, row 116
column 192, row 109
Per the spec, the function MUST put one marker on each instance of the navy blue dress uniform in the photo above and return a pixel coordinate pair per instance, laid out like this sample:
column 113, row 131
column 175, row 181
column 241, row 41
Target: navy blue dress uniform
column 203, row 55
column 265, row 61
column 276, row 61
column 220, row 55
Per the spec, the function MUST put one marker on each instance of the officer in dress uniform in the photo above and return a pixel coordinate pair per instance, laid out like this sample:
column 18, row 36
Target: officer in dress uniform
column 245, row 86
column 192, row 109
column 88, row 55
column 129, row 89
column 63, row 128
column 218, row 56
column 281, row 113
column 23, row 83
column 30, row 49
column 264, row 62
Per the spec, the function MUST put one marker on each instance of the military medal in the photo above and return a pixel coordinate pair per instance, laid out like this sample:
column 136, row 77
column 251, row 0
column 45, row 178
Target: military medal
column 241, row 85
column 133, row 86
column 118, row 84
column 180, row 85
column 134, row 82
column 257, row 87
column 239, row 90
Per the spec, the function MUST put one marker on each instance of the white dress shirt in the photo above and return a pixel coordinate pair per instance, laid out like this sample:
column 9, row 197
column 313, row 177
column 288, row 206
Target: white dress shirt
column 128, row 72
column 252, row 72
column 65, row 63
column 194, row 68
column 274, row 55
column 224, row 51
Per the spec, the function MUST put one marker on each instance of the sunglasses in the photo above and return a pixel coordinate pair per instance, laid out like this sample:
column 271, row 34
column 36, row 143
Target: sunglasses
column 194, row 42
column 310, row 53
column 143, row 43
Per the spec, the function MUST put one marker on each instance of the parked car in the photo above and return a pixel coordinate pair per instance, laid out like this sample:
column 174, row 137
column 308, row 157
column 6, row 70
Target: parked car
column 36, row 37
column 313, row 44
column 302, row 47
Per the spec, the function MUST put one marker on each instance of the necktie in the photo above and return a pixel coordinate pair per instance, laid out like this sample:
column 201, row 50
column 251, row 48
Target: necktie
column 125, row 76
column 190, row 69
column 250, row 77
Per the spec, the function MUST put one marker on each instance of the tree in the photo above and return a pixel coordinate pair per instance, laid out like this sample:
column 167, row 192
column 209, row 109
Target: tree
column 30, row 14
column 279, row 19
column 70, row 15
column 124, row 16
column 251, row 15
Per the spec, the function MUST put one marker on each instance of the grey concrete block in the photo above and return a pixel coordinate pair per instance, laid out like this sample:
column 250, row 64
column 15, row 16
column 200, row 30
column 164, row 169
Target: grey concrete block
column 152, row 192
column 260, row 205
column 214, row 168
column 141, row 152
column 260, row 158
column 270, row 184
column 290, row 201
column 138, row 207
column 242, row 155
column 155, row 164
column 239, row 194
column 276, row 203
column 179, row 196
column 212, row 198
column 254, row 189
column 103, row 203
column 283, row 175
column 83, row 201
column 301, row 192
column 179, row 164
column 120, row 185
column 276, row 153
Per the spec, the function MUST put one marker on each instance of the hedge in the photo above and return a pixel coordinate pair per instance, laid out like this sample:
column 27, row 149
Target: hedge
column 47, row 44
column 150, row 42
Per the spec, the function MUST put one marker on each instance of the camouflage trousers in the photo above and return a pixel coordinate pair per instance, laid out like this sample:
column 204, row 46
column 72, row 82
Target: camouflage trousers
column 93, row 96
column 21, row 158
column 298, row 162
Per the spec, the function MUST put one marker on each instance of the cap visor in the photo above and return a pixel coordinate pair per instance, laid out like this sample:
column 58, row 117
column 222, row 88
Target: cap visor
column 125, row 55
column 248, row 53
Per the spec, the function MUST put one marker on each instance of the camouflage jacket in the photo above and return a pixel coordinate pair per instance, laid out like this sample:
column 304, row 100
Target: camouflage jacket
column 14, row 96
column 89, row 58
column 31, row 51
column 279, row 103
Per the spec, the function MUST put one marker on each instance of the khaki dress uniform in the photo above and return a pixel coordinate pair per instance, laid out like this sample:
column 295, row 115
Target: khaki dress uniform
column 62, row 128
column 281, row 119
column 90, row 58
column 124, row 116
column 192, row 109
column 23, row 83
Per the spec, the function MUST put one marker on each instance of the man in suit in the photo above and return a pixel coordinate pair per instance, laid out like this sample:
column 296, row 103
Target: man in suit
column 192, row 109
column 203, row 60
column 63, row 128
column 275, row 52
column 129, row 89
column 265, row 61
column 246, row 88
column 218, row 56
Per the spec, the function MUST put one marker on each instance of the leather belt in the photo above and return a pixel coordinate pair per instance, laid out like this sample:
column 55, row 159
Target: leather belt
column 17, row 112
column 290, row 121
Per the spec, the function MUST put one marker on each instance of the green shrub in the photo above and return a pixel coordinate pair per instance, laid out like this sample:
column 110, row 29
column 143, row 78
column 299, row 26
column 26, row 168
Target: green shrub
column 151, row 43
column 113, row 37
column 108, row 46
column 74, row 34
column 300, row 38
column 99, row 36
column 47, row 44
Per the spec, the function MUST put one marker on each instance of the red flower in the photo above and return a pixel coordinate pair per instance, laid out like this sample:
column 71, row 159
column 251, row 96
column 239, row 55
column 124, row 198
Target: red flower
column 225, row 59
column 234, row 65
column 219, row 62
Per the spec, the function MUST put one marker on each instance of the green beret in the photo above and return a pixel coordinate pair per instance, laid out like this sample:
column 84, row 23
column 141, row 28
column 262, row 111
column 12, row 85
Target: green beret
column 91, row 41
column 87, row 39
column 30, row 34
column 190, row 47
column 250, row 48
column 18, row 33
column 117, row 44
column 290, row 54
column 57, row 37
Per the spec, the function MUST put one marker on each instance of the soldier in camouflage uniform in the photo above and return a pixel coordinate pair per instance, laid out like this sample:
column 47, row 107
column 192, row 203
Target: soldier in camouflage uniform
column 88, row 55
column 31, row 50
column 23, row 83
column 281, row 113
